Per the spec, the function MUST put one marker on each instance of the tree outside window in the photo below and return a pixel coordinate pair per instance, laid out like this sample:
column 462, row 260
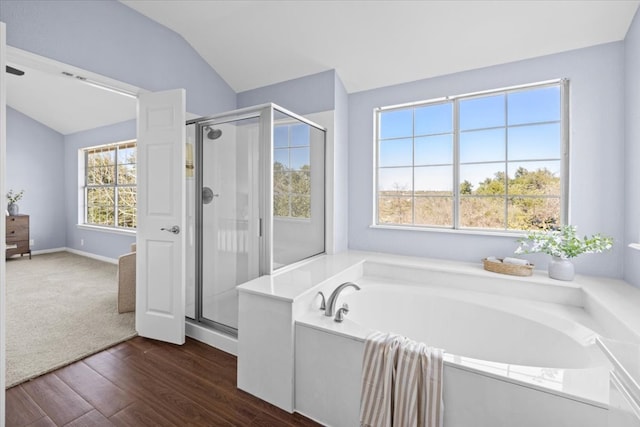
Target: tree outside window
column 292, row 171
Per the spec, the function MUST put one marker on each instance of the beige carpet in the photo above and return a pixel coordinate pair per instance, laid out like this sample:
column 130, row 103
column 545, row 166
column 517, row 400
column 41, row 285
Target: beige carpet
column 61, row 307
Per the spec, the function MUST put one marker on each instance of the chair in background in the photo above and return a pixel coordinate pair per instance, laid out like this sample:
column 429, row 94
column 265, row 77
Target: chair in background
column 127, row 281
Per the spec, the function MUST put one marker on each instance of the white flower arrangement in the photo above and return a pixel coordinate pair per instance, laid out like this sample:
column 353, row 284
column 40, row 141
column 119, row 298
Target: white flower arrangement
column 563, row 243
column 14, row 197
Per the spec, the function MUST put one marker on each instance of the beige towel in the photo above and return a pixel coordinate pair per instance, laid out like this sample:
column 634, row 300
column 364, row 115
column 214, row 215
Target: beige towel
column 401, row 383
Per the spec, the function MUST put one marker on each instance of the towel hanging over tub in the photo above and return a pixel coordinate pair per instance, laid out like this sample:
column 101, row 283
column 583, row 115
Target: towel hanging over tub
column 401, row 383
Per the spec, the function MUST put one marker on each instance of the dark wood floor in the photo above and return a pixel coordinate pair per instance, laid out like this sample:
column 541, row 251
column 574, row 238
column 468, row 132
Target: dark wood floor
column 144, row 383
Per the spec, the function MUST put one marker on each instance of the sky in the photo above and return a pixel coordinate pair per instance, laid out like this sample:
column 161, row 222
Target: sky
column 520, row 127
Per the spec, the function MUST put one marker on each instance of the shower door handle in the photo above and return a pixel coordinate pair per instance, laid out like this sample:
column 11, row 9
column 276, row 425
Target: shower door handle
column 175, row 229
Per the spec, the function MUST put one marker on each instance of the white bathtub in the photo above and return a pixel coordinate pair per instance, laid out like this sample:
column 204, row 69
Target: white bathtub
column 519, row 350
column 503, row 353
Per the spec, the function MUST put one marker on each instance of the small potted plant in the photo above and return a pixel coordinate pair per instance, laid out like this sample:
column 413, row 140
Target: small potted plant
column 13, row 198
column 562, row 244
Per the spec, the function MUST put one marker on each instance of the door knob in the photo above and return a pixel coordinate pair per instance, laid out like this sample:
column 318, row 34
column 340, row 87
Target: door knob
column 175, row 229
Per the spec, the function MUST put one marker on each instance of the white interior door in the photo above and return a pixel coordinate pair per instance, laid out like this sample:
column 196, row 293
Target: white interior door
column 160, row 266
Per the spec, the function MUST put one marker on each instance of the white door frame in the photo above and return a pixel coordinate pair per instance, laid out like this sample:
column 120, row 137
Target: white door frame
column 3, row 245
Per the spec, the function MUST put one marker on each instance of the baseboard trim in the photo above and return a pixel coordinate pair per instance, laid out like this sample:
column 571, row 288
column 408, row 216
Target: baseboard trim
column 48, row 251
column 90, row 255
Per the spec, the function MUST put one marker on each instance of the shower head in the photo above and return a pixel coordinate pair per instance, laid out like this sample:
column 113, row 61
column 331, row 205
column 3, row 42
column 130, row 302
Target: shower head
column 213, row 133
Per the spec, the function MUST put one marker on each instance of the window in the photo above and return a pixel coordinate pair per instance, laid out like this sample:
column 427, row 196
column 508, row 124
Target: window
column 110, row 185
column 486, row 161
column 292, row 171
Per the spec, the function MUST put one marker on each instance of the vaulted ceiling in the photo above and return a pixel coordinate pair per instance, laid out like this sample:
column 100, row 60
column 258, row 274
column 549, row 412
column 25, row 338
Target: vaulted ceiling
column 381, row 42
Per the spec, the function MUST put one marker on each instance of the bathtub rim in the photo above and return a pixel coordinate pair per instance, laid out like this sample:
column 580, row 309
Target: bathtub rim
column 611, row 301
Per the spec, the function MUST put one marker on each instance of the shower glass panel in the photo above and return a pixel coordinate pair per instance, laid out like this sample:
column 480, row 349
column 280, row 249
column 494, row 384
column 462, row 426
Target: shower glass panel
column 298, row 190
column 229, row 201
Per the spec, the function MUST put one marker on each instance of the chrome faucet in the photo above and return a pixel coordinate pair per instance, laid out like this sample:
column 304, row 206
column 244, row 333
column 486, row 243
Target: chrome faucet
column 330, row 306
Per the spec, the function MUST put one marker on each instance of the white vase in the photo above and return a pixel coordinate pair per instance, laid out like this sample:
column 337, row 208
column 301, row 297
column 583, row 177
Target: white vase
column 13, row 209
column 561, row 269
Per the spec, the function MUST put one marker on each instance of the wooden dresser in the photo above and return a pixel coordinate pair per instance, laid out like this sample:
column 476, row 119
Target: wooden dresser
column 18, row 235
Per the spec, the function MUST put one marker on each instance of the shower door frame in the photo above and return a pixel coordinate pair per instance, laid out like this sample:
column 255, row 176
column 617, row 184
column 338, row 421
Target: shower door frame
column 201, row 123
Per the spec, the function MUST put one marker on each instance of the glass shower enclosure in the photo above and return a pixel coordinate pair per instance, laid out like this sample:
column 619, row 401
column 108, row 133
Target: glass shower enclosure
column 256, row 203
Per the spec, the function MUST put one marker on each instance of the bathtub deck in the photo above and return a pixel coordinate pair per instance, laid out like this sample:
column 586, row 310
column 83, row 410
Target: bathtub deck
column 144, row 382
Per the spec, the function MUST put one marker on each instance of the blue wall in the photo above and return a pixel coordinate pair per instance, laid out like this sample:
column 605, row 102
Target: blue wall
column 632, row 151
column 305, row 95
column 35, row 164
column 596, row 156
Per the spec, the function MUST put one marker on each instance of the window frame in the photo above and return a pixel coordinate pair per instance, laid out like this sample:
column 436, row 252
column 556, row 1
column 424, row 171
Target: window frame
column 115, row 146
column 454, row 100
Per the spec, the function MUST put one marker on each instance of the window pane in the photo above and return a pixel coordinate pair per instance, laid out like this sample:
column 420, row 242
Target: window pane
column 301, row 182
column 484, row 112
column 396, row 152
column 280, row 180
column 126, row 174
column 101, row 196
column 281, row 156
column 101, row 175
column 483, row 179
column 535, row 142
column 299, row 135
column 433, row 180
column 394, row 210
column 434, row 150
column 533, row 213
column 534, row 105
column 101, row 158
column 299, row 158
column 301, row 206
column 482, row 146
column 127, row 155
column 534, row 178
column 281, row 136
column 482, row 212
column 395, row 179
column 434, row 119
column 127, row 207
column 396, row 124
column 434, row 211
column 281, row 204
column 101, row 206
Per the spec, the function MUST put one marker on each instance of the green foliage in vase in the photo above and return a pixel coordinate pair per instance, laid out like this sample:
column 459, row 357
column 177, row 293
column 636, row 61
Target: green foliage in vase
column 563, row 242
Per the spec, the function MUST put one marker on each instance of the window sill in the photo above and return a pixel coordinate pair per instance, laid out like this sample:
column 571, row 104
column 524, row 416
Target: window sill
column 488, row 233
column 107, row 229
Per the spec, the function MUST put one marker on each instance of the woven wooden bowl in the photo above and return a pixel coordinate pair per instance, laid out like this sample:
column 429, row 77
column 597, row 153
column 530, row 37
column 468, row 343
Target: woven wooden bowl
column 512, row 269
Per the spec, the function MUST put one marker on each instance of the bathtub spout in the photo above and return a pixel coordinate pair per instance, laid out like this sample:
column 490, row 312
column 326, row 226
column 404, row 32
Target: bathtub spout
column 331, row 303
